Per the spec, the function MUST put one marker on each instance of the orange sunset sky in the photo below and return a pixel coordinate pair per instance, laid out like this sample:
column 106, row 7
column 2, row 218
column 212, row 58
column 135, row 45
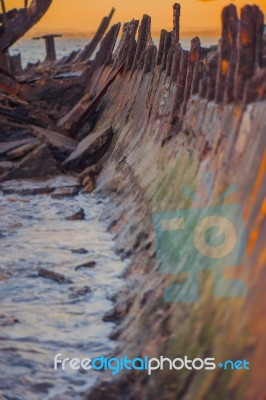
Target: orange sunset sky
column 85, row 15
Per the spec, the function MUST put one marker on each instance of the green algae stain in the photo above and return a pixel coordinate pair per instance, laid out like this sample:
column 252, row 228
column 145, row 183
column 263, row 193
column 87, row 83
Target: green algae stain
column 168, row 194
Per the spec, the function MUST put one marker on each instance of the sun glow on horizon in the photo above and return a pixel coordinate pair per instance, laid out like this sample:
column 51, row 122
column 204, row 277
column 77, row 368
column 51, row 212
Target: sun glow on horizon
column 85, row 15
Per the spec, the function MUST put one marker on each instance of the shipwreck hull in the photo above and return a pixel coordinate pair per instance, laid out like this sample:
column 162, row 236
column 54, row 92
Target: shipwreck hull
column 177, row 120
column 165, row 119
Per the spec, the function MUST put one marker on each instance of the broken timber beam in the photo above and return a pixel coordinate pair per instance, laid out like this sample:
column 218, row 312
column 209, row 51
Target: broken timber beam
column 91, row 47
column 3, row 6
column 50, row 46
column 75, row 119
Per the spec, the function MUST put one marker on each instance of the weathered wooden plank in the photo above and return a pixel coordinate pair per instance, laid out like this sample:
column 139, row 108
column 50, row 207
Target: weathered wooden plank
column 193, row 58
column 166, row 48
column 181, row 82
column 176, row 63
column 5, row 147
column 22, row 151
column 227, row 55
column 161, row 46
column 150, row 59
column 89, row 146
column 128, row 38
column 249, row 47
column 143, row 35
column 56, row 139
column 91, row 47
column 104, row 55
column 73, row 121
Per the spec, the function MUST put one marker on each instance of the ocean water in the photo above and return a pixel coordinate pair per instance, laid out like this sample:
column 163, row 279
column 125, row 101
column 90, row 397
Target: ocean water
column 34, row 50
column 50, row 317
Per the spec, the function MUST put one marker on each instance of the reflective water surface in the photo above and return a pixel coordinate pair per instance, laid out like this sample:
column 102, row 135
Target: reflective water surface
column 40, row 317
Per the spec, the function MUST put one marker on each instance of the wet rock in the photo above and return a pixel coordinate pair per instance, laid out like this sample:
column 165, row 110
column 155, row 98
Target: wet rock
column 38, row 164
column 92, row 171
column 18, row 200
column 3, row 234
column 54, row 276
column 32, row 186
column 7, row 321
column 65, row 192
column 79, row 251
column 112, row 390
column 2, row 276
column 124, row 253
column 118, row 312
column 89, row 264
column 89, row 185
column 42, row 387
column 76, row 293
column 78, row 216
column 91, row 149
column 15, row 225
column 116, row 333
